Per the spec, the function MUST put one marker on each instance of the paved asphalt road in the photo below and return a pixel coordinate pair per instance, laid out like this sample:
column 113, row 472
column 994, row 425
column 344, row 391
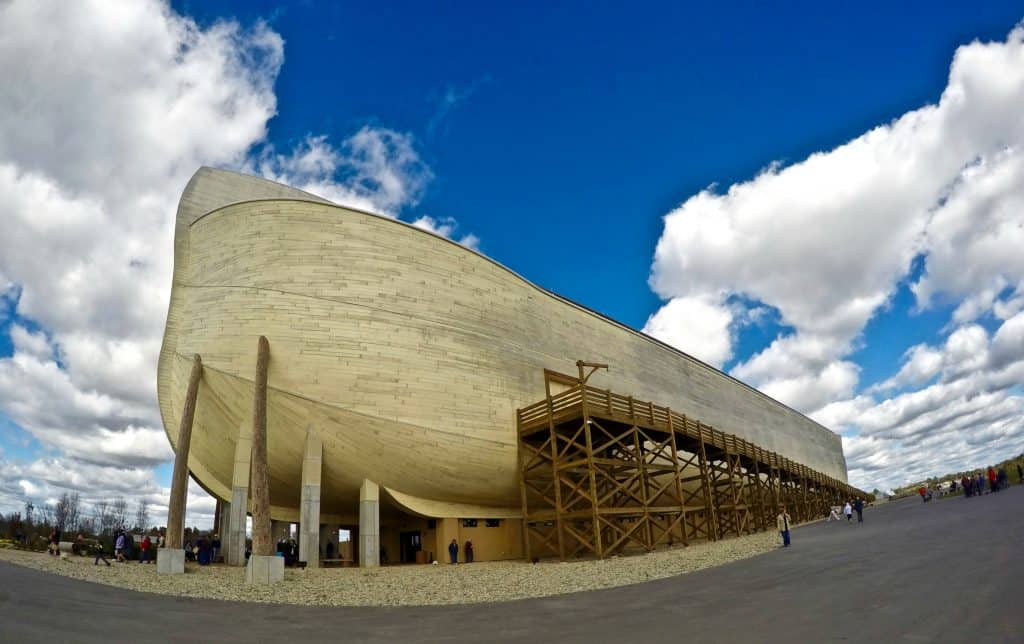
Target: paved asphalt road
column 946, row 571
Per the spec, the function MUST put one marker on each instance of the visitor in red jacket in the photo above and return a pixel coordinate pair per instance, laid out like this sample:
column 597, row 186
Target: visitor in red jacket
column 145, row 550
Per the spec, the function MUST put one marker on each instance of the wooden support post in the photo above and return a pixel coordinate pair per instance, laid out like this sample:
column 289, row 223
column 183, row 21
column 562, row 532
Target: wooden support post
column 762, row 519
column 262, row 543
column 648, row 534
column 679, row 478
column 554, row 473
column 525, row 523
column 705, row 476
column 179, row 479
column 807, row 502
column 592, row 474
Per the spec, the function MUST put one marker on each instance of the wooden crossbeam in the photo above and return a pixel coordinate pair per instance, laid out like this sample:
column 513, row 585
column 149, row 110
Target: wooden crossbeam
column 600, row 472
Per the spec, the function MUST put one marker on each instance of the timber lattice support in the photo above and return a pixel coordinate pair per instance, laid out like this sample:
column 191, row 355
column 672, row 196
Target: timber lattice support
column 602, row 473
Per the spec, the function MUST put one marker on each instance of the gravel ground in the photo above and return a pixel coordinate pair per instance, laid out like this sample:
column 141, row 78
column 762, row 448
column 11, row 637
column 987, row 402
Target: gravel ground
column 408, row 585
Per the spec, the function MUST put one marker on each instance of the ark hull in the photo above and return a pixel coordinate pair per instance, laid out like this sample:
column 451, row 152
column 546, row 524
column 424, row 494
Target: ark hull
column 407, row 353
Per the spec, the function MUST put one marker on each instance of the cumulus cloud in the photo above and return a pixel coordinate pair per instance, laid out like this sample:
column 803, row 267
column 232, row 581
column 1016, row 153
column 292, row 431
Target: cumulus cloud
column 104, row 117
column 42, row 482
column 376, row 169
column 446, row 227
column 826, row 242
column 697, row 325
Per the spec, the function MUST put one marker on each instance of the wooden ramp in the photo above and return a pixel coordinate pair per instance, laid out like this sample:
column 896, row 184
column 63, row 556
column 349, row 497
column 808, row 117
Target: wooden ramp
column 601, row 473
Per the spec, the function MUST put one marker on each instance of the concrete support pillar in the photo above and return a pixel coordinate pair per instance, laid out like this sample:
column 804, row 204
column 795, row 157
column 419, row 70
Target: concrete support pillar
column 234, row 536
column 217, row 509
column 369, row 524
column 264, row 566
column 309, row 510
column 223, row 528
column 171, row 558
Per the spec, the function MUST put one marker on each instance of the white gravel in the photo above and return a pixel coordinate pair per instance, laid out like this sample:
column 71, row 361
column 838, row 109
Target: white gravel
column 408, row 585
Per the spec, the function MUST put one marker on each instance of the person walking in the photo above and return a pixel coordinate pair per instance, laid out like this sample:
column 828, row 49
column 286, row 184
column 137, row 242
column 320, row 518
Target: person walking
column 965, row 483
column 858, row 506
column 1020, row 474
column 468, row 551
column 992, row 486
column 100, row 555
column 848, row 511
column 453, row 551
column 1002, row 479
column 782, row 522
column 119, row 545
column 54, row 546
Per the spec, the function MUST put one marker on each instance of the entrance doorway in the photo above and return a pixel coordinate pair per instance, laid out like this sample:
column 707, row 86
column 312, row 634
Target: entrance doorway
column 410, row 543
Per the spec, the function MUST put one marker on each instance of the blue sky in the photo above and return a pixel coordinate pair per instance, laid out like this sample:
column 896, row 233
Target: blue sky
column 812, row 198
column 575, row 130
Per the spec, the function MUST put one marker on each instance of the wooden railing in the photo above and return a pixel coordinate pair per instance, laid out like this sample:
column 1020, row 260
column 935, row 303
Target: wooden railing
column 603, row 402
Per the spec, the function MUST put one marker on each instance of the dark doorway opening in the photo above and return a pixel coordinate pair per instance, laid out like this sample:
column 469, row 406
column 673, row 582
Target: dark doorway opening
column 410, row 543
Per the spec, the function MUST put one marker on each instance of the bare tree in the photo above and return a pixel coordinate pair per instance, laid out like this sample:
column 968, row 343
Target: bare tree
column 44, row 516
column 13, row 525
column 142, row 515
column 29, row 508
column 66, row 512
column 87, row 525
column 104, row 518
column 119, row 510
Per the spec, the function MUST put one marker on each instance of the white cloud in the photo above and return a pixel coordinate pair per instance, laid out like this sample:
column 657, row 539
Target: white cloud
column 827, row 240
column 446, row 227
column 700, row 326
column 42, row 481
column 34, row 344
column 379, row 170
column 105, row 115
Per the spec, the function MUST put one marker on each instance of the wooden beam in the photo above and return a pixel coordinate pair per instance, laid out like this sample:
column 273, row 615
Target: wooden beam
column 179, row 479
column 262, row 543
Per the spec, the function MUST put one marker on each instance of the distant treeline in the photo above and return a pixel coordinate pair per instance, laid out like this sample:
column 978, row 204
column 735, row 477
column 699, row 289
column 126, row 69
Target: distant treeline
column 31, row 527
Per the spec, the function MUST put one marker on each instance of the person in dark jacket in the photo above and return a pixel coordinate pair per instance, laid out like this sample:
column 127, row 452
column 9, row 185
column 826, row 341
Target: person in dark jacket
column 858, row 507
column 453, row 551
column 1020, row 474
column 467, row 550
column 97, row 549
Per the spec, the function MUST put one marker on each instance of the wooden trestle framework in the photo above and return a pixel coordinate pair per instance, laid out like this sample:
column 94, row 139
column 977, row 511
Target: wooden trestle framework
column 601, row 472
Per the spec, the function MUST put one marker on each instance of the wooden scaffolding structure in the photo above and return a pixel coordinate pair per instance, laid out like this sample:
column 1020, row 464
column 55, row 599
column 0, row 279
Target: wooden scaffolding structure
column 601, row 473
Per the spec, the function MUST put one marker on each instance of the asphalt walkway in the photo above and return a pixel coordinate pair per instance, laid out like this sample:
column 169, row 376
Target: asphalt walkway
column 945, row 571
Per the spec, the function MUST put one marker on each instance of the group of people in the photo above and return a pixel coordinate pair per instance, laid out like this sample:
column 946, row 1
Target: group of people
column 124, row 546
column 453, row 551
column 995, row 480
column 851, row 506
column 204, row 551
column 289, row 549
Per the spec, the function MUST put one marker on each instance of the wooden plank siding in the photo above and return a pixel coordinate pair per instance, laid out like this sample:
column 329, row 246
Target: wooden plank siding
column 409, row 353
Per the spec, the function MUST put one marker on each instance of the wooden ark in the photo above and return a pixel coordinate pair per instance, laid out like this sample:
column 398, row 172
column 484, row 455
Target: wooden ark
column 408, row 354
